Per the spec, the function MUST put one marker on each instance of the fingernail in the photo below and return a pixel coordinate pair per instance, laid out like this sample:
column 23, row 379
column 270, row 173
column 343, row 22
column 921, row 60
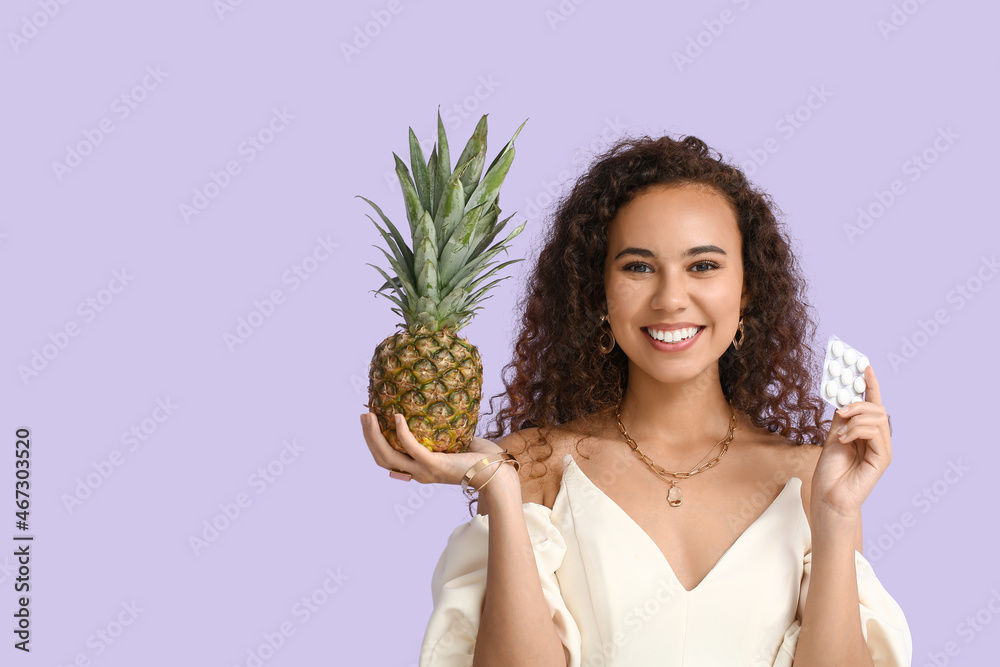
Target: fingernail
column 843, row 429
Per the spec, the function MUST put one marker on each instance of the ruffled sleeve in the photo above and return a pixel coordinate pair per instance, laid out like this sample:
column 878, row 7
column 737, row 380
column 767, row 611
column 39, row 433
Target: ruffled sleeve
column 882, row 621
column 459, row 588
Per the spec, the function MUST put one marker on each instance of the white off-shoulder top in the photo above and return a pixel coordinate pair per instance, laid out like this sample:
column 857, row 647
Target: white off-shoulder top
column 615, row 600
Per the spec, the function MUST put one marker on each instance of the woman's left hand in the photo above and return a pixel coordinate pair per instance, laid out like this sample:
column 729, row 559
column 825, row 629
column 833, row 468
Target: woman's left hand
column 853, row 460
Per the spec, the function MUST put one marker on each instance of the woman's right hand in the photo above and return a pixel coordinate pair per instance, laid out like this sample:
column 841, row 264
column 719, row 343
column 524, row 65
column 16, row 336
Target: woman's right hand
column 422, row 464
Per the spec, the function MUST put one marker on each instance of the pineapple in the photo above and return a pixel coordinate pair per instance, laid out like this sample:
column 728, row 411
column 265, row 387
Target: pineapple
column 425, row 370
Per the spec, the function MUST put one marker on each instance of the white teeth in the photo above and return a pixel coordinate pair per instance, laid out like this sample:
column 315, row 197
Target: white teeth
column 673, row 336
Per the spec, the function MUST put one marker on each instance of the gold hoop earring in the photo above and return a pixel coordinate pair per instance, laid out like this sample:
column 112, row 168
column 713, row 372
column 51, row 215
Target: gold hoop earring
column 606, row 349
column 742, row 334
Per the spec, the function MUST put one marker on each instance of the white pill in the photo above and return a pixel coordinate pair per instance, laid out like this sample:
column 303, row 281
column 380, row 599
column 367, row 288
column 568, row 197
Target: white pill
column 859, row 385
column 844, row 397
column 862, row 363
column 847, row 377
column 837, row 347
column 850, row 356
column 835, row 368
column 856, row 399
column 831, row 388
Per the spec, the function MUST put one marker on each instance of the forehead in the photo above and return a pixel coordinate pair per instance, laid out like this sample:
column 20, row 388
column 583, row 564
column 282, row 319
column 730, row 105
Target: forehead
column 672, row 218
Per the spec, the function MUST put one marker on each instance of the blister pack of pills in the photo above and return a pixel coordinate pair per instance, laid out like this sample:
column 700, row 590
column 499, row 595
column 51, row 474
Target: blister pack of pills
column 843, row 374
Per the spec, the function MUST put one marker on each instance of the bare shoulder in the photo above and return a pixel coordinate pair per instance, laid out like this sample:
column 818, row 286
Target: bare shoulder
column 798, row 460
column 540, row 452
column 541, row 465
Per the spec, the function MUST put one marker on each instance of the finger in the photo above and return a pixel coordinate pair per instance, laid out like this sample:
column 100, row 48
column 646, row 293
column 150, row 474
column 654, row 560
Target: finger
column 413, row 447
column 859, row 408
column 867, row 435
column 384, row 454
column 377, row 455
column 872, row 393
column 874, row 419
column 870, row 414
column 870, row 433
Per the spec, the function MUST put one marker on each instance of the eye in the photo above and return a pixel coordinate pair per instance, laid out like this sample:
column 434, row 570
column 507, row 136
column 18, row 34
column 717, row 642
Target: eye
column 706, row 263
column 631, row 266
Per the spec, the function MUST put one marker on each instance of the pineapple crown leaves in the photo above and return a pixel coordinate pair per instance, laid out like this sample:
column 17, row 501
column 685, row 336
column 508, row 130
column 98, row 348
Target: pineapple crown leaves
column 453, row 220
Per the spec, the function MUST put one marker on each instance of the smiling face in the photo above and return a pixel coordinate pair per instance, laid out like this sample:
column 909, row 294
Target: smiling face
column 674, row 268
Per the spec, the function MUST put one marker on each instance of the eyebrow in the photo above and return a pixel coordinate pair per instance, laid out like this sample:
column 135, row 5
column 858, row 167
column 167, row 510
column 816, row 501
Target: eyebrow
column 696, row 250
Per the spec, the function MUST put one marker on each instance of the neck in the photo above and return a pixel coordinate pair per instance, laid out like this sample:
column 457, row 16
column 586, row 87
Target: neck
column 675, row 424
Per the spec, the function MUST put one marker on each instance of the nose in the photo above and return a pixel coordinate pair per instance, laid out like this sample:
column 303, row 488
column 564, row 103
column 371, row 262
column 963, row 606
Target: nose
column 671, row 291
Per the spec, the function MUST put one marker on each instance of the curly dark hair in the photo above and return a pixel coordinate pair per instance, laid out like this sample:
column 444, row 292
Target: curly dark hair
column 557, row 373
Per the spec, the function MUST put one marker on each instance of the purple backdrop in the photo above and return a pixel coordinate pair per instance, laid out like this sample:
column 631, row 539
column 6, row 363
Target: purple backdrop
column 200, row 487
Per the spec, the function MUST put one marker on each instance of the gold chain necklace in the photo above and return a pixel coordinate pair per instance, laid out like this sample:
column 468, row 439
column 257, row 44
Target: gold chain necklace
column 674, row 495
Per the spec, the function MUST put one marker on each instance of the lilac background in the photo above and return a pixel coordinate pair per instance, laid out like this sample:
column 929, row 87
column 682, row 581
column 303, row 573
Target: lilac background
column 582, row 73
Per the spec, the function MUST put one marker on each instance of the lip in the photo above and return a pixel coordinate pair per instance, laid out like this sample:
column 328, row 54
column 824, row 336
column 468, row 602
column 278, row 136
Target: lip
column 674, row 347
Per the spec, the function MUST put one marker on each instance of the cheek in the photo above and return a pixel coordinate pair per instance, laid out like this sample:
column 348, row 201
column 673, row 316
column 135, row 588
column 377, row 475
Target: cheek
column 722, row 299
column 728, row 287
column 619, row 294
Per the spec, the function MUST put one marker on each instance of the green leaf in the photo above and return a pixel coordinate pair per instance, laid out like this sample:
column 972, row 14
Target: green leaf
column 444, row 159
column 456, row 249
column 425, row 260
column 487, row 190
column 491, row 234
column 509, row 144
column 414, row 209
column 420, row 176
column 407, row 284
column 489, row 273
column 401, row 301
column 478, row 294
column 432, row 179
column 395, row 300
column 481, row 261
column 451, row 207
column 425, row 313
column 454, row 302
column 475, row 150
column 394, row 282
column 400, row 259
column 397, row 237
column 467, row 250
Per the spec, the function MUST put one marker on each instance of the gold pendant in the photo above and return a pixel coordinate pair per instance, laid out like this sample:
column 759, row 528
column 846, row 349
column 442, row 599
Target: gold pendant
column 674, row 494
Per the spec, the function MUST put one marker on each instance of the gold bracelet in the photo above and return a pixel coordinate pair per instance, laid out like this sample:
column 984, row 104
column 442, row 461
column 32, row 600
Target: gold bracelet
column 494, row 458
column 468, row 492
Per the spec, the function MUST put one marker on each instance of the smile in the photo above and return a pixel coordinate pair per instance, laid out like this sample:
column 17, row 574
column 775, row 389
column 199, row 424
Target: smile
column 675, row 336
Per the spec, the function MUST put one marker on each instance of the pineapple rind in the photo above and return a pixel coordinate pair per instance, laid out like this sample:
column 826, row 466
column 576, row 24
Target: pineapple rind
column 434, row 379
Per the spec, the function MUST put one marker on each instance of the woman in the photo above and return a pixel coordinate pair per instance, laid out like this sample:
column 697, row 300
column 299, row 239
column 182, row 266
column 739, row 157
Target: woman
column 672, row 507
